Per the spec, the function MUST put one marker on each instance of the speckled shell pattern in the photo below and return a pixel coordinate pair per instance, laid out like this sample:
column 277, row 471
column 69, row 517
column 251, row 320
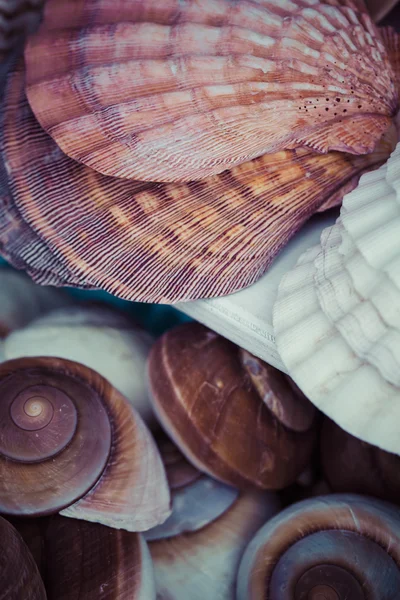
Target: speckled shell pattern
column 68, row 225
column 337, row 319
column 18, row 18
column 180, row 91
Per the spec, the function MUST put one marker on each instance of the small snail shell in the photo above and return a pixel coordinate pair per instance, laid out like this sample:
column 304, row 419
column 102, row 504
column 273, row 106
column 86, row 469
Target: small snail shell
column 71, row 443
column 90, row 561
column 97, row 337
column 351, row 465
column 337, row 547
column 19, row 575
column 21, row 300
column 233, row 417
column 197, row 551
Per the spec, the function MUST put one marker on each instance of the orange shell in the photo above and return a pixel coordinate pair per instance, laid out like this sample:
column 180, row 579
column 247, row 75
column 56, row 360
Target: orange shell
column 67, row 224
column 179, row 91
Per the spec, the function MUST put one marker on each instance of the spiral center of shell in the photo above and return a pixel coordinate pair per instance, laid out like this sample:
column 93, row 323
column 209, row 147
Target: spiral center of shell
column 32, row 412
column 328, row 582
column 34, row 406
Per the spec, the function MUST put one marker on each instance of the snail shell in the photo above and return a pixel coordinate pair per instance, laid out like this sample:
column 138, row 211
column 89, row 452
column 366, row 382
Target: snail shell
column 232, row 415
column 19, row 575
column 97, row 337
column 88, row 560
column 196, row 552
column 350, row 465
column 181, row 91
column 21, row 301
column 165, row 243
column 334, row 547
column 71, row 443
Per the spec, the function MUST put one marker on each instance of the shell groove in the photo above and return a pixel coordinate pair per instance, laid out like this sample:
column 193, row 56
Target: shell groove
column 219, row 83
column 165, row 243
column 337, row 316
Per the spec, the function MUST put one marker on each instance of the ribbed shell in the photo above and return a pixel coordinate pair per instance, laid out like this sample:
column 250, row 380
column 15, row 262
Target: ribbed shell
column 182, row 90
column 18, row 18
column 67, row 224
column 337, row 317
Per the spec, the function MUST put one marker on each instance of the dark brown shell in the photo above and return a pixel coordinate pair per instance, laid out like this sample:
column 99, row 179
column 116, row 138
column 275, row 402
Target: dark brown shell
column 19, row 575
column 351, row 465
column 181, row 91
column 72, row 443
column 67, row 224
column 206, row 401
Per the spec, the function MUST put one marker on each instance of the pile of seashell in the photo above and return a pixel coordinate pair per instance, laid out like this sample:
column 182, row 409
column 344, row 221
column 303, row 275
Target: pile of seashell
column 175, row 468
column 166, row 151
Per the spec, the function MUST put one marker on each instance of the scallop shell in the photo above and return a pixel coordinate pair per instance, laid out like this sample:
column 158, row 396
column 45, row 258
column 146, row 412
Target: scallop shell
column 97, row 337
column 18, row 18
column 337, row 316
column 181, row 91
column 165, row 242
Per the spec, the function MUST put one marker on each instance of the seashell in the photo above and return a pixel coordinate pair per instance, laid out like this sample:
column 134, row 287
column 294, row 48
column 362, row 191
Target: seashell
column 98, row 337
column 229, row 421
column 18, row 18
column 181, row 91
column 378, row 9
column 21, row 301
column 19, row 575
column 332, row 547
column 206, row 534
column 165, row 243
column 87, row 560
column 336, row 317
column 71, row 443
column 350, row 465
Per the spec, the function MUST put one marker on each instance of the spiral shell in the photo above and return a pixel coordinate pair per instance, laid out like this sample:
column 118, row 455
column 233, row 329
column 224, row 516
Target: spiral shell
column 242, row 432
column 70, row 443
column 97, row 337
column 181, row 91
column 19, row 575
column 350, row 465
column 196, row 552
column 335, row 547
column 21, row 301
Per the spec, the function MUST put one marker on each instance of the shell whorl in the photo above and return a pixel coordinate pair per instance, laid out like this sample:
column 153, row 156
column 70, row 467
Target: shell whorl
column 334, row 547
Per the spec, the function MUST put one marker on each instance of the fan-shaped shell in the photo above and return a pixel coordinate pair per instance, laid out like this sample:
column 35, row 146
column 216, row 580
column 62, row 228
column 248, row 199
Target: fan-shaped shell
column 21, row 301
column 19, row 575
column 196, row 552
column 335, row 547
column 206, row 400
column 71, row 443
column 98, row 337
column 180, row 91
column 337, row 319
column 164, row 243
column 88, row 560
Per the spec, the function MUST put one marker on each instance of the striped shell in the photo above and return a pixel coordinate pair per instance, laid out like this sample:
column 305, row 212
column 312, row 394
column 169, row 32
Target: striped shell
column 68, row 225
column 337, row 317
column 182, row 90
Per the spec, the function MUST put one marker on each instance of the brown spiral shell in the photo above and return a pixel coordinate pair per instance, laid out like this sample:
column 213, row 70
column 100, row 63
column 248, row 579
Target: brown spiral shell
column 243, row 431
column 71, row 443
column 19, row 575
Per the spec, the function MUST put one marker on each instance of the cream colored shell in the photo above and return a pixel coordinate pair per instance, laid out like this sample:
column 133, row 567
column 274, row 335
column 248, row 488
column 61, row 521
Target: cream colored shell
column 337, row 315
